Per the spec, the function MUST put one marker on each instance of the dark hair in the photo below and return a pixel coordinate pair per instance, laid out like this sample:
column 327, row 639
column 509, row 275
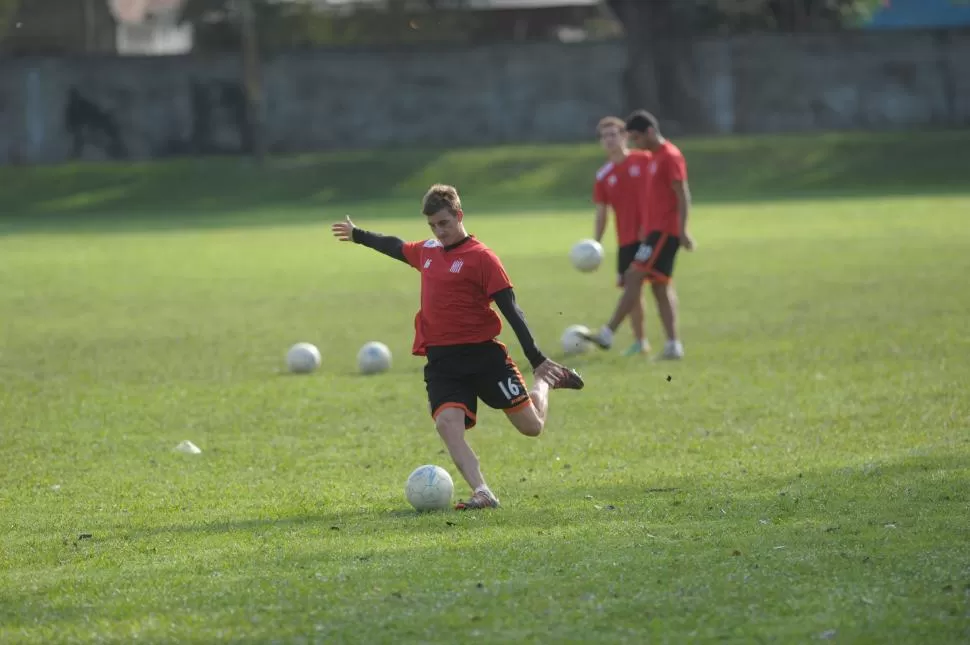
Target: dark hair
column 640, row 120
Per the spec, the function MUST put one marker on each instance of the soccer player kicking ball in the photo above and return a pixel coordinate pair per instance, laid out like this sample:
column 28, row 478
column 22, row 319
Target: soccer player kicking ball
column 622, row 184
column 666, row 231
column 456, row 329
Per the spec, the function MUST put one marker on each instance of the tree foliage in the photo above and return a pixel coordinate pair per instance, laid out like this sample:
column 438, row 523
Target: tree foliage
column 792, row 15
column 8, row 11
column 56, row 27
column 295, row 24
column 699, row 16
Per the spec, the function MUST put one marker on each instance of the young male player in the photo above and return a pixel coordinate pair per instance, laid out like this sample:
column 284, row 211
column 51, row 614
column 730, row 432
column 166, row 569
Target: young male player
column 456, row 330
column 622, row 184
column 668, row 208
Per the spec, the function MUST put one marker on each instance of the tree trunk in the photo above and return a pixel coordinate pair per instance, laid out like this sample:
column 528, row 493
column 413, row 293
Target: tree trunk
column 252, row 72
column 659, row 43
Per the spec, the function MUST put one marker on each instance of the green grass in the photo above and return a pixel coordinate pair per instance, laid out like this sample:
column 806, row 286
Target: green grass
column 231, row 191
column 802, row 475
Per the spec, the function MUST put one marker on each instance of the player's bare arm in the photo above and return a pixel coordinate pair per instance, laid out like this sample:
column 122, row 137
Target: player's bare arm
column 682, row 190
column 390, row 246
column 599, row 227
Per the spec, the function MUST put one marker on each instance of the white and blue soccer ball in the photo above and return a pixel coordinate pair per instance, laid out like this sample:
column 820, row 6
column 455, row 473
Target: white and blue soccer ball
column 573, row 341
column 374, row 357
column 586, row 255
column 303, row 358
column 429, row 488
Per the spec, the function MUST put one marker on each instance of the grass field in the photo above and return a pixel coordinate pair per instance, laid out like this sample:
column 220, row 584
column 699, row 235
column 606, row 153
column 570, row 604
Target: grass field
column 803, row 475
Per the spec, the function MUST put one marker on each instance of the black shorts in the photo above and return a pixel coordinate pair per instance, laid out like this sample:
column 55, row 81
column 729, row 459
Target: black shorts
column 458, row 375
column 624, row 258
column 656, row 256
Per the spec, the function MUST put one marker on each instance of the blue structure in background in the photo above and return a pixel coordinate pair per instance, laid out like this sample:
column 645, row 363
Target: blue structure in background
column 911, row 14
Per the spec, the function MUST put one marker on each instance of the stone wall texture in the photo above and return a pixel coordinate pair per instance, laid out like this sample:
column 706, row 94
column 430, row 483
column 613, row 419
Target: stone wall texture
column 54, row 110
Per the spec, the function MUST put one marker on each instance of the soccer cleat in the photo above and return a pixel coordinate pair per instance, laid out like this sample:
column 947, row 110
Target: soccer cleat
column 673, row 351
column 570, row 380
column 600, row 339
column 637, row 349
column 480, row 499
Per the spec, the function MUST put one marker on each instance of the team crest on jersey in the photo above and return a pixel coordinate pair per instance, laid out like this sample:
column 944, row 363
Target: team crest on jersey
column 427, row 263
column 612, row 180
column 653, row 167
column 634, row 171
column 456, row 266
column 430, row 244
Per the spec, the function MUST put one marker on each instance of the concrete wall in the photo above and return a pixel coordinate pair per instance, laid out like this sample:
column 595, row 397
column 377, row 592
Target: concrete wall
column 52, row 110
column 855, row 80
column 808, row 82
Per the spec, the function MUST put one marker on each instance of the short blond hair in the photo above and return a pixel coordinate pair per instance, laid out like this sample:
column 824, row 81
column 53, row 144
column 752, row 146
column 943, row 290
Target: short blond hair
column 441, row 196
column 607, row 121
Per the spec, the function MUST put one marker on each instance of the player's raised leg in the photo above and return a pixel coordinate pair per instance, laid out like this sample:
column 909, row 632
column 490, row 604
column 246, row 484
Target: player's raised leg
column 529, row 418
column 502, row 386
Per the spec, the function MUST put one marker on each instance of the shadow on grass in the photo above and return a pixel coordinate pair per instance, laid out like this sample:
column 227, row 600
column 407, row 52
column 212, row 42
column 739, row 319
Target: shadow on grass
column 230, row 192
column 883, row 489
column 687, row 548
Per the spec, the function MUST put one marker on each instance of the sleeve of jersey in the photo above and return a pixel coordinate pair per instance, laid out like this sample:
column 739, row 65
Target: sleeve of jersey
column 494, row 276
column 505, row 299
column 393, row 247
column 677, row 168
column 412, row 253
column 599, row 193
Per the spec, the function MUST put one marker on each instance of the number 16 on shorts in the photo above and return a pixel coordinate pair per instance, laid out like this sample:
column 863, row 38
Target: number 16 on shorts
column 510, row 388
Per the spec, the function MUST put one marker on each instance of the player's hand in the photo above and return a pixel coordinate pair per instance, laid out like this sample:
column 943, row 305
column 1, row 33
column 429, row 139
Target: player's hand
column 688, row 242
column 343, row 231
column 549, row 371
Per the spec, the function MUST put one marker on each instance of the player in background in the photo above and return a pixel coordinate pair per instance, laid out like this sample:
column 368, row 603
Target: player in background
column 622, row 184
column 456, row 329
column 669, row 205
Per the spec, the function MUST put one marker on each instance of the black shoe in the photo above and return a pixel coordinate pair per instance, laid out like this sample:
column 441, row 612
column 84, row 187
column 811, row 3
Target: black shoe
column 571, row 380
column 595, row 339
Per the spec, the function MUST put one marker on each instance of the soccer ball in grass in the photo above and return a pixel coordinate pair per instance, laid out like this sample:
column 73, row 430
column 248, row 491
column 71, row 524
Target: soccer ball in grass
column 303, row 358
column 374, row 357
column 586, row 255
column 429, row 488
column 572, row 342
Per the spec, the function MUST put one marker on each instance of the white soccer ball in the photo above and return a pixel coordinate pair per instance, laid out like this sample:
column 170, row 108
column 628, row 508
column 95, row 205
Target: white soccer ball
column 429, row 488
column 586, row 255
column 303, row 358
column 374, row 357
column 572, row 341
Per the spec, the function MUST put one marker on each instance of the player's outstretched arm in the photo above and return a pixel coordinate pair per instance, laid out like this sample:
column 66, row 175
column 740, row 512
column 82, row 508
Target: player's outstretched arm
column 390, row 246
